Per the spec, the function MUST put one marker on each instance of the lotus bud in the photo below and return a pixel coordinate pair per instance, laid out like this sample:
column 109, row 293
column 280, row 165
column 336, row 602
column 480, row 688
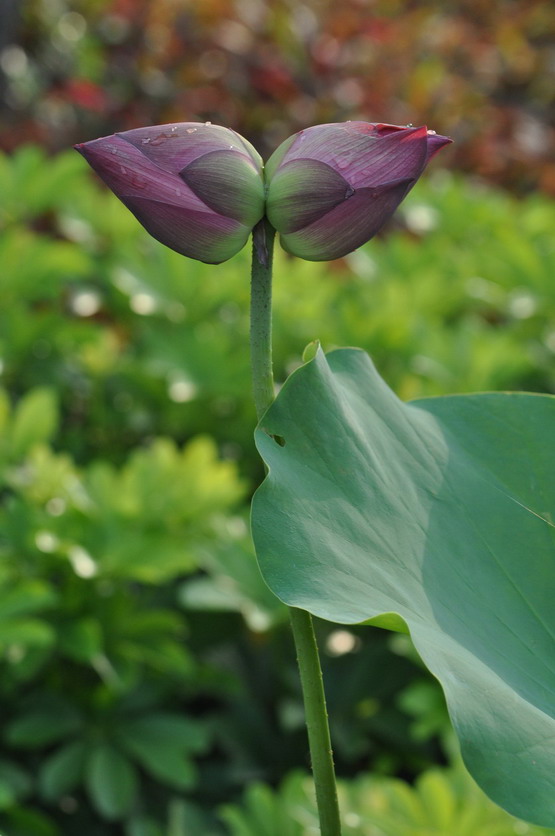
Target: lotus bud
column 330, row 188
column 197, row 188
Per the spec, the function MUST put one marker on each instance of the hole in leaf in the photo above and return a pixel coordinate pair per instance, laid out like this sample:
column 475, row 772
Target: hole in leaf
column 279, row 439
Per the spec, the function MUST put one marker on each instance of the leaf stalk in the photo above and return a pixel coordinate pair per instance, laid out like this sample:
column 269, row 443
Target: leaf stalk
column 301, row 621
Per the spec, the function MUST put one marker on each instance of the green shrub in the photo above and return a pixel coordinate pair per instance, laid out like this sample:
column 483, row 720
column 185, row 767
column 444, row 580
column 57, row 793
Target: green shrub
column 442, row 803
column 139, row 648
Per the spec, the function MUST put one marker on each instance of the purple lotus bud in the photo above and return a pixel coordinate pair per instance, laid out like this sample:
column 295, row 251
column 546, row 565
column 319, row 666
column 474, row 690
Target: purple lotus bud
column 331, row 187
column 198, row 188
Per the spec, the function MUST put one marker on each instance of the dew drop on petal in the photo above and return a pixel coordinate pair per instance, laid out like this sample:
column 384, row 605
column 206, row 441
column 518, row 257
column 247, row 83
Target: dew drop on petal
column 158, row 140
column 145, row 141
column 123, row 169
column 432, row 133
column 191, row 130
column 410, row 125
column 207, row 123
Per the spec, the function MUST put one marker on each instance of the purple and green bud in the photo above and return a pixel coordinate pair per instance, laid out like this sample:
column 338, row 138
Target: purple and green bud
column 198, row 188
column 330, row 188
column 201, row 188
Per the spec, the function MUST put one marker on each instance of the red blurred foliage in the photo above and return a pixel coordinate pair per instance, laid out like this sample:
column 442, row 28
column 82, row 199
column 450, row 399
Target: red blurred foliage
column 85, row 94
column 481, row 71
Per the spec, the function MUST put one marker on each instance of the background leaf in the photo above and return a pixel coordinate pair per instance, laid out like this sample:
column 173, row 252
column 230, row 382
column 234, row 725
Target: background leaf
column 443, row 802
column 163, row 745
column 63, row 770
column 111, row 781
column 35, row 420
column 43, row 724
column 132, row 516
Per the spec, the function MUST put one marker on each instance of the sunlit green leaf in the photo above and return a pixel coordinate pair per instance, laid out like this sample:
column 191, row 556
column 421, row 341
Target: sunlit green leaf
column 443, row 802
column 28, row 597
column 440, row 511
column 35, row 419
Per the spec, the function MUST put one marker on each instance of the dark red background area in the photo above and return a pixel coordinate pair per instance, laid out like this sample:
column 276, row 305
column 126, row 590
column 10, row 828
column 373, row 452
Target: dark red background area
column 482, row 72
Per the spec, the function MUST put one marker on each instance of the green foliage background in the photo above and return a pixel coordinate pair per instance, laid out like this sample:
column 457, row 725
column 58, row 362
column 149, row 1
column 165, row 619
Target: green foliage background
column 147, row 674
column 148, row 685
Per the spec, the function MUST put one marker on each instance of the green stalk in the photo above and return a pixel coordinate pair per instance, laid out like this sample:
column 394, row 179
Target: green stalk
column 316, row 717
column 301, row 621
column 261, row 316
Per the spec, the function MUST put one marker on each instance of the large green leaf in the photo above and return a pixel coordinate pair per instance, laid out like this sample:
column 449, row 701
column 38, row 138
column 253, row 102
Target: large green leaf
column 440, row 512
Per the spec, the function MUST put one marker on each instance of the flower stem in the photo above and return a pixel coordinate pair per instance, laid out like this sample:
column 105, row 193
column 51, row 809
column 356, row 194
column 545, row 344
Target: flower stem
column 301, row 621
column 261, row 316
column 316, row 717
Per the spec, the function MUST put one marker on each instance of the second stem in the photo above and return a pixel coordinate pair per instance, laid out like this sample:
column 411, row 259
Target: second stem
column 301, row 621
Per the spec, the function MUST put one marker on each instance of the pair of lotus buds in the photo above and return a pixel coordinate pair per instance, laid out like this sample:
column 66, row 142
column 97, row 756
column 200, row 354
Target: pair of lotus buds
column 201, row 188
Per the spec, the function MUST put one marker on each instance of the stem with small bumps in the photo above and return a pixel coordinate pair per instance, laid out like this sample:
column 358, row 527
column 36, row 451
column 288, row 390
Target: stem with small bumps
column 301, row 621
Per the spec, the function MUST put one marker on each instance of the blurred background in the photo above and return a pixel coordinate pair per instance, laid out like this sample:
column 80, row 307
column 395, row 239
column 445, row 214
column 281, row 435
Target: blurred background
column 480, row 71
column 148, row 682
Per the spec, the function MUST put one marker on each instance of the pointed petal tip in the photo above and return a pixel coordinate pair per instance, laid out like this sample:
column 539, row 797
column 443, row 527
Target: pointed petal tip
column 435, row 137
column 435, row 142
column 92, row 148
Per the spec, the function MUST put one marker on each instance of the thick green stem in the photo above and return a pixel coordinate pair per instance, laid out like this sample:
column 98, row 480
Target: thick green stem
column 261, row 316
column 301, row 621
